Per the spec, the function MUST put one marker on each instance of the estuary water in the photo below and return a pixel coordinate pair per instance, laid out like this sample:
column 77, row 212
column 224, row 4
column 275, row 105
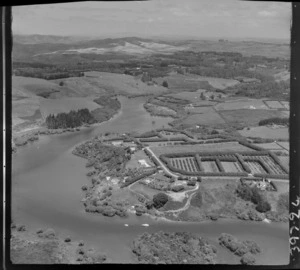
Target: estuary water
column 46, row 193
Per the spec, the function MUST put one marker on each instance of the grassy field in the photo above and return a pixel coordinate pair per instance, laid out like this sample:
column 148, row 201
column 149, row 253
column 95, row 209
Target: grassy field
column 66, row 104
column 286, row 104
column 122, row 84
column 26, row 86
column 191, row 96
column 247, row 117
column 245, row 104
column 269, row 146
column 208, row 118
column 274, row 104
column 285, row 161
column 200, row 110
column 218, row 83
column 144, row 190
column 179, row 83
column 266, row 132
column 220, row 147
column 210, row 166
column 231, row 166
column 285, row 145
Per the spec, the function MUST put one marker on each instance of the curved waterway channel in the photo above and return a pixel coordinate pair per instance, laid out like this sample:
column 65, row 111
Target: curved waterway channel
column 46, row 193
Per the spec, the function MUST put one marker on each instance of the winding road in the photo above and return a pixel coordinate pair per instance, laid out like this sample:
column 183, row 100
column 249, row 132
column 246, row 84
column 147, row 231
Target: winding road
column 161, row 164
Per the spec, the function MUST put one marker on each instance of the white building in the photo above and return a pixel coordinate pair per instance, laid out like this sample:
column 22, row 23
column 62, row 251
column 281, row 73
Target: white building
column 143, row 163
column 116, row 143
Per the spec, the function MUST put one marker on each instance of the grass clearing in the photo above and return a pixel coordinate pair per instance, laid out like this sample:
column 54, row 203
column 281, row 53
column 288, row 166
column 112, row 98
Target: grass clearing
column 210, row 166
column 191, row 96
column 274, row 104
column 285, row 161
column 285, row 145
column 266, row 132
column 218, row 83
column 26, row 86
column 286, row 104
column 122, row 84
column 179, row 82
column 269, row 146
column 234, row 167
column 237, row 105
column 220, row 147
column 200, row 110
column 144, row 190
column 248, row 117
column 208, row 118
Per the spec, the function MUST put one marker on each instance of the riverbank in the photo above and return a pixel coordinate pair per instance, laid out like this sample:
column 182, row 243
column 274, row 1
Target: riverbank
column 26, row 136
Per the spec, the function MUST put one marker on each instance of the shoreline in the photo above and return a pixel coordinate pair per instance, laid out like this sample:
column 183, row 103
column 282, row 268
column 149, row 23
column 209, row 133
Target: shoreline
column 31, row 135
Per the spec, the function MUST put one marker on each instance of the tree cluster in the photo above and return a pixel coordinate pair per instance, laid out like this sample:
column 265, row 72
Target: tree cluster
column 274, row 120
column 160, row 199
column 69, row 120
column 254, row 195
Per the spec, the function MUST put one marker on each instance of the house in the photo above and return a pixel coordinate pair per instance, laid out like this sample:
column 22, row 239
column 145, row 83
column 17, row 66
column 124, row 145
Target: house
column 143, row 163
column 132, row 149
column 117, row 143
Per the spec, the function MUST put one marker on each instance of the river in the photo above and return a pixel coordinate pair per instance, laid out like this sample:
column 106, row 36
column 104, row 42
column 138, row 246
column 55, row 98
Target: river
column 46, row 193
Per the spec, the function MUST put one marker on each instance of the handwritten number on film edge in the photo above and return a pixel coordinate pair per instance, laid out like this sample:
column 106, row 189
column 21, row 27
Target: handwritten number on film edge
column 293, row 239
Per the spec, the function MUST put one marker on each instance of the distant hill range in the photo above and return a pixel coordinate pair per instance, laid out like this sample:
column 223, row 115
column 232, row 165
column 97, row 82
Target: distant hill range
column 62, row 48
column 37, row 46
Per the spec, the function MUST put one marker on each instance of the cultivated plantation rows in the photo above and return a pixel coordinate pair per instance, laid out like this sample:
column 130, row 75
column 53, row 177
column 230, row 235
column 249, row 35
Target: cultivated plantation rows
column 261, row 163
column 187, row 164
column 265, row 164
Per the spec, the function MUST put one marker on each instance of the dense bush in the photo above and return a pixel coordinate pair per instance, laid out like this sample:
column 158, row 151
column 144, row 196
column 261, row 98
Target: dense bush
column 257, row 196
column 237, row 247
column 153, row 140
column 274, row 120
column 247, row 259
column 177, row 188
column 275, row 176
column 254, row 195
column 160, row 199
column 244, row 191
column 165, row 84
column 263, row 206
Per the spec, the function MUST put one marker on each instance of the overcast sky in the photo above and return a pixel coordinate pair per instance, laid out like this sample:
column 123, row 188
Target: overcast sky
column 182, row 18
